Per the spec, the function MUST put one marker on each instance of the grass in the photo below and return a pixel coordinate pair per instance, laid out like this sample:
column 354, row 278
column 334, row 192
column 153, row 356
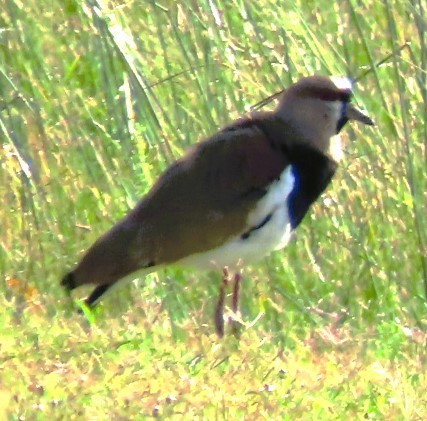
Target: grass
column 96, row 100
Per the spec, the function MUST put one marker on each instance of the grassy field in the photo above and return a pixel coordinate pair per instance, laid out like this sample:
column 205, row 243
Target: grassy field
column 97, row 98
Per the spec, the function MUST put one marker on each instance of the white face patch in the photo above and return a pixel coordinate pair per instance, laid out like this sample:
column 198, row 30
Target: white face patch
column 335, row 107
column 343, row 83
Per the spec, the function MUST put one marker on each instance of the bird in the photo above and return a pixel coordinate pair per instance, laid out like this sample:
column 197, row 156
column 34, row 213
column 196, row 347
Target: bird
column 233, row 198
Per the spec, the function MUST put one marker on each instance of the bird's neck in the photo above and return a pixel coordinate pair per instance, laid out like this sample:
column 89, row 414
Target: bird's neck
column 283, row 129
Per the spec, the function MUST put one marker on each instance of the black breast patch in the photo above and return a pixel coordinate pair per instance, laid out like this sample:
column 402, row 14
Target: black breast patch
column 312, row 173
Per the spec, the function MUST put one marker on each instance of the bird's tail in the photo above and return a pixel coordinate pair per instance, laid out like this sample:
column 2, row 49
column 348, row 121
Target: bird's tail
column 68, row 281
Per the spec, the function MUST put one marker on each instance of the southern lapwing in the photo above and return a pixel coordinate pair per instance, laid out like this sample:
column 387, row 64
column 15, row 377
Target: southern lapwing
column 234, row 197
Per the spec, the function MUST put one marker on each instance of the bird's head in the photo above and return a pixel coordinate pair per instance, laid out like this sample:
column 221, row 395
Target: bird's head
column 319, row 107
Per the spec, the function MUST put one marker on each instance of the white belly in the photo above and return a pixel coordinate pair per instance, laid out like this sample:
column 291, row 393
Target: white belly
column 275, row 234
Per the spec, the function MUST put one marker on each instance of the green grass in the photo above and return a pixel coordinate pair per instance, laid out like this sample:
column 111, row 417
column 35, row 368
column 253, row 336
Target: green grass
column 96, row 100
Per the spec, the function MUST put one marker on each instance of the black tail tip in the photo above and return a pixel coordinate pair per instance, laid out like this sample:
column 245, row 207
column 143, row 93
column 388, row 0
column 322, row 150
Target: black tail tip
column 68, row 281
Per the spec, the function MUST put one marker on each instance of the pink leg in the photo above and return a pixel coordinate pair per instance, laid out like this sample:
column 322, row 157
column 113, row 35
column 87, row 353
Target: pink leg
column 235, row 325
column 219, row 310
column 236, row 292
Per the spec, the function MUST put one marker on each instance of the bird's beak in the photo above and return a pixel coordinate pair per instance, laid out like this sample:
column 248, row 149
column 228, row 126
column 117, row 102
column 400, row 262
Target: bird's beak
column 354, row 113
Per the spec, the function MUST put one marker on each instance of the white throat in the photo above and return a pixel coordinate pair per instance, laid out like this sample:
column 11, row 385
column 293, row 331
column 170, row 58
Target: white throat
column 336, row 151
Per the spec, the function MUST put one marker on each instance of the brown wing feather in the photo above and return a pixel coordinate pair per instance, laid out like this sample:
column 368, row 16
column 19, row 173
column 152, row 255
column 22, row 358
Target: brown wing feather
column 198, row 203
column 207, row 196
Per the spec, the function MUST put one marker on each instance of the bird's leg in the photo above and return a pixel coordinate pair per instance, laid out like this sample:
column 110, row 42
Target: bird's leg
column 236, row 292
column 235, row 324
column 219, row 310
